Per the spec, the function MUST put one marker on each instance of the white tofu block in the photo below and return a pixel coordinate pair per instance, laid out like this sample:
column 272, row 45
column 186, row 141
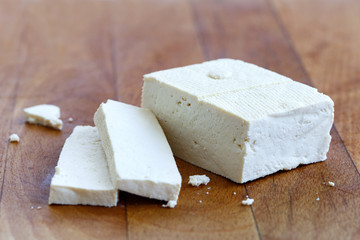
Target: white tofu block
column 251, row 124
column 45, row 115
column 139, row 156
column 82, row 175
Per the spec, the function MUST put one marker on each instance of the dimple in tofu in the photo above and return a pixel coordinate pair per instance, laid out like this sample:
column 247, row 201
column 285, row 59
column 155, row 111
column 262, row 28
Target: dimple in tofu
column 82, row 175
column 239, row 120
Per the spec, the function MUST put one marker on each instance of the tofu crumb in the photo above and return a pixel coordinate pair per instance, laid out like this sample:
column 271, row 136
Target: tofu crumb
column 248, row 201
column 332, row 184
column 170, row 204
column 318, row 199
column 234, row 193
column 38, row 207
column 44, row 114
column 209, row 188
column 197, row 180
column 70, row 119
column 200, row 201
column 32, row 207
column 14, row 138
column 207, row 193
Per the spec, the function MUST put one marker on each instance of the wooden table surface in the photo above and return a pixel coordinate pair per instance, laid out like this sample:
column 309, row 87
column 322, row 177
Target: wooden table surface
column 77, row 54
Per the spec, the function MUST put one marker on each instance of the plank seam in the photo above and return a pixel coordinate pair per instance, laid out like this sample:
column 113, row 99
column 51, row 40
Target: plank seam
column 206, row 54
column 126, row 217
column 253, row 215
column 302, row 67
column 347, row 152
column 113, row 59
column 8, row 144
column 3, row 180
column 13, row 108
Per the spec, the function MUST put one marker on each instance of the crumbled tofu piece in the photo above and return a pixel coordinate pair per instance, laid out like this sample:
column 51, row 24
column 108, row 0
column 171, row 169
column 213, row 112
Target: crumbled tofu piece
column 197, row 180
column 14, row 138
column 45, row 115
column 170, row 204
column 70, row 119
column 248, row 201
column 318, row 199
column 332, row 184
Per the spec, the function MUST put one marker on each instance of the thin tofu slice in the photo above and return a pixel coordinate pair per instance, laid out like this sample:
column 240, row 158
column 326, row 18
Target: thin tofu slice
column 139, row 156
column 82, row 175
column 45, row 115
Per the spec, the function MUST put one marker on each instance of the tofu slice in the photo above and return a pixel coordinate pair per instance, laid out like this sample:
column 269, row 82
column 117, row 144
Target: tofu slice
column 82, row 175
column 258, row 123
column 45, row 115
column 139, row 156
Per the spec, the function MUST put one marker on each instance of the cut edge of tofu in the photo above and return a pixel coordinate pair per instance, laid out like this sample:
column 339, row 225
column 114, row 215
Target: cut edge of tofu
column 76, row 196
column 160, row 190
column 99, row 119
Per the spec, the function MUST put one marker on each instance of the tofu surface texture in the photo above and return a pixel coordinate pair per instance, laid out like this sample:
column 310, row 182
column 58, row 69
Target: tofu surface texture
column 139, row 157
column 45, row 115
column 239, row 120
column 197, row 180
column 82, row 175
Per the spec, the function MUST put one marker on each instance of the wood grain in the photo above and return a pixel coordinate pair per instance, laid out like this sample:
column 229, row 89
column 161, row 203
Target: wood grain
column 218, row 215
column 330, row 52
column 287, row 207
column 58, row 64
column 178, row 46
column 76, row 54
column 9, row 68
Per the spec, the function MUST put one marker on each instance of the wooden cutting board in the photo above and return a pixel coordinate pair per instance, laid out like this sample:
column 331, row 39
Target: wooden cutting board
column 77, row 54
